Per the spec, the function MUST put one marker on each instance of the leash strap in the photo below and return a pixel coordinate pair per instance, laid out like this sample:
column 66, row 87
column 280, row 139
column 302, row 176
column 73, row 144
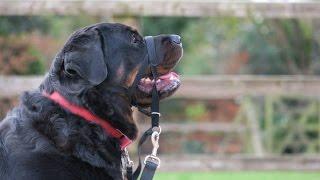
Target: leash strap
column 151, row 161
column 143, row 139
column 129, row 173
column 155, row 114
column 149, row 170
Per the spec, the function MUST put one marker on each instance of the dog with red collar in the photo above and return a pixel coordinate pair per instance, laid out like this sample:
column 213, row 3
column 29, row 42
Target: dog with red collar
column 79, row 120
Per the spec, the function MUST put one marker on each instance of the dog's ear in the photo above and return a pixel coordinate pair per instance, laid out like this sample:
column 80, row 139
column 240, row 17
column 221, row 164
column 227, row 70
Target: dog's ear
column 86, row 57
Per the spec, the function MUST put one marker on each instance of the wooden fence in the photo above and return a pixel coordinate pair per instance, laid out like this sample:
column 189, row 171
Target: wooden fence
column 187, row 8
column 246, row 124
column 204, row 87
column 184, row 163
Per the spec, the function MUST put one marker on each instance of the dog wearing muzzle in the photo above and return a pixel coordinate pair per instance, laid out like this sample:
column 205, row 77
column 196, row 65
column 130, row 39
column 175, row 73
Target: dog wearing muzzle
column 76, row 124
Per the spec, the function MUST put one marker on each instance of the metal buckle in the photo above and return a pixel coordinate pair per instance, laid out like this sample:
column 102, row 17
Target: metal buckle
column 153, row 159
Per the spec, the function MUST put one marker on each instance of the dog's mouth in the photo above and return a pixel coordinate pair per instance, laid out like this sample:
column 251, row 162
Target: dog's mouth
column 165, row 84
column 167, row 81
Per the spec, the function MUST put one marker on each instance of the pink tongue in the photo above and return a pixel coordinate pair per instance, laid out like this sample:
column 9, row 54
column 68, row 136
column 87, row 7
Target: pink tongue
column 168, row 75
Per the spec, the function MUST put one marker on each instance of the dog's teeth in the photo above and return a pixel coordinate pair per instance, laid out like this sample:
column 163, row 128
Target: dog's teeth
column 171, row 78
column 148, row 80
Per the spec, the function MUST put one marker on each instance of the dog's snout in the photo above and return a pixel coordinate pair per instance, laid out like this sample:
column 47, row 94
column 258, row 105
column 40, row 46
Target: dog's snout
column 175, row 39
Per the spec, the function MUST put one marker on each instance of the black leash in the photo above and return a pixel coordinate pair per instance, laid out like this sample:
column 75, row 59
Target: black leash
column 151, row 161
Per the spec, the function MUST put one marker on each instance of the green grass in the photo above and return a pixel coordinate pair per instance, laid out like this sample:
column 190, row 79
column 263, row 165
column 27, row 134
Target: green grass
column 242, row 175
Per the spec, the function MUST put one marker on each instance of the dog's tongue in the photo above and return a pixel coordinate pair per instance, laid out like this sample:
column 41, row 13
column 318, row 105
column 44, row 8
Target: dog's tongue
column 164, row 82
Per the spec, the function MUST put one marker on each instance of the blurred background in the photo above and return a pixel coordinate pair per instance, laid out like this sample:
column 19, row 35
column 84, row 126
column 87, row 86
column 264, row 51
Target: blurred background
column 248, row 107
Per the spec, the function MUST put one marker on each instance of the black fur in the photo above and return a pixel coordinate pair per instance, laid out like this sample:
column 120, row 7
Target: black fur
column 41, row 140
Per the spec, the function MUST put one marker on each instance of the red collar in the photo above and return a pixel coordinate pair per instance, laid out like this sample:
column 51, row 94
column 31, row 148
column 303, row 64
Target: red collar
column 89, row 116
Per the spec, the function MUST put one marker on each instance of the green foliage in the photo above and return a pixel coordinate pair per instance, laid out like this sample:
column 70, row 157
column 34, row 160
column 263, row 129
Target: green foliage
column 62, row 26
column 193, row 147
column 250, row 46
column 211, row 45
column 37, row 66
column 22, row 24
column 164, row 25
column 279, row 47
column 292, row 127
column 195, row 111
column 20, row 55
column 172, row 105
column 205, row 45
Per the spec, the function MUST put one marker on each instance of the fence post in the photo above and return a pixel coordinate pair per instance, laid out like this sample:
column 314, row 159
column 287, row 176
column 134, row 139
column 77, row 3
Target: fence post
column 253, row 124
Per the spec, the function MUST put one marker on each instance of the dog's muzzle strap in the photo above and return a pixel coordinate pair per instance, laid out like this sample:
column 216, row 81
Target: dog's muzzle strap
column 153, row 62
column 151, row 48
column 151, row 161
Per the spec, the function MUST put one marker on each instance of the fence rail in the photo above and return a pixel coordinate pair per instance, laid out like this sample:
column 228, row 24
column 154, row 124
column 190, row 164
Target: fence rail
column 196, row 127
column 204, row 87
column 246, row 122
column 190, row 8
column 209, row 163
column 15, row 85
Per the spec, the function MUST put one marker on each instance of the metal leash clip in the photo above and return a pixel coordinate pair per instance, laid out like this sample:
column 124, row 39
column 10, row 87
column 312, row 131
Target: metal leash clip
column 128, row 161
column 155, row 143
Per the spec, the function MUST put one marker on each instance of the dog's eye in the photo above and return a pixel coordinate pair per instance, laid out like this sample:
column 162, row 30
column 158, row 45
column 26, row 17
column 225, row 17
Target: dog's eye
column 134, row 39
column 70, row 72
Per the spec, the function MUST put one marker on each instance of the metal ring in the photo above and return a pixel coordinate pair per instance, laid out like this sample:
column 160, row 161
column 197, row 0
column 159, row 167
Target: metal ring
column 157, row 113
column 155, row 139
column 130, row 163
column 157, row 129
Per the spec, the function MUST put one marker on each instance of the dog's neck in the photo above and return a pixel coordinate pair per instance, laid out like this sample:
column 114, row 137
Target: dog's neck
column 70, row 135
column 111, row 105
column 85, row 114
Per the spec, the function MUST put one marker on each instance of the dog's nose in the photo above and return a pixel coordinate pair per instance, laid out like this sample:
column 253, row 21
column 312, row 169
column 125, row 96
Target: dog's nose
column 175, row 39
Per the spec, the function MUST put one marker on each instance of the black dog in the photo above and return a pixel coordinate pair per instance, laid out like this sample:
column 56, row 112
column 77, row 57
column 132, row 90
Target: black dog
column 41, row 139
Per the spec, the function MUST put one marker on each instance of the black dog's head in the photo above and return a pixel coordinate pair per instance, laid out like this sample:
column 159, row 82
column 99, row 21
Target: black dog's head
column 103, row 60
